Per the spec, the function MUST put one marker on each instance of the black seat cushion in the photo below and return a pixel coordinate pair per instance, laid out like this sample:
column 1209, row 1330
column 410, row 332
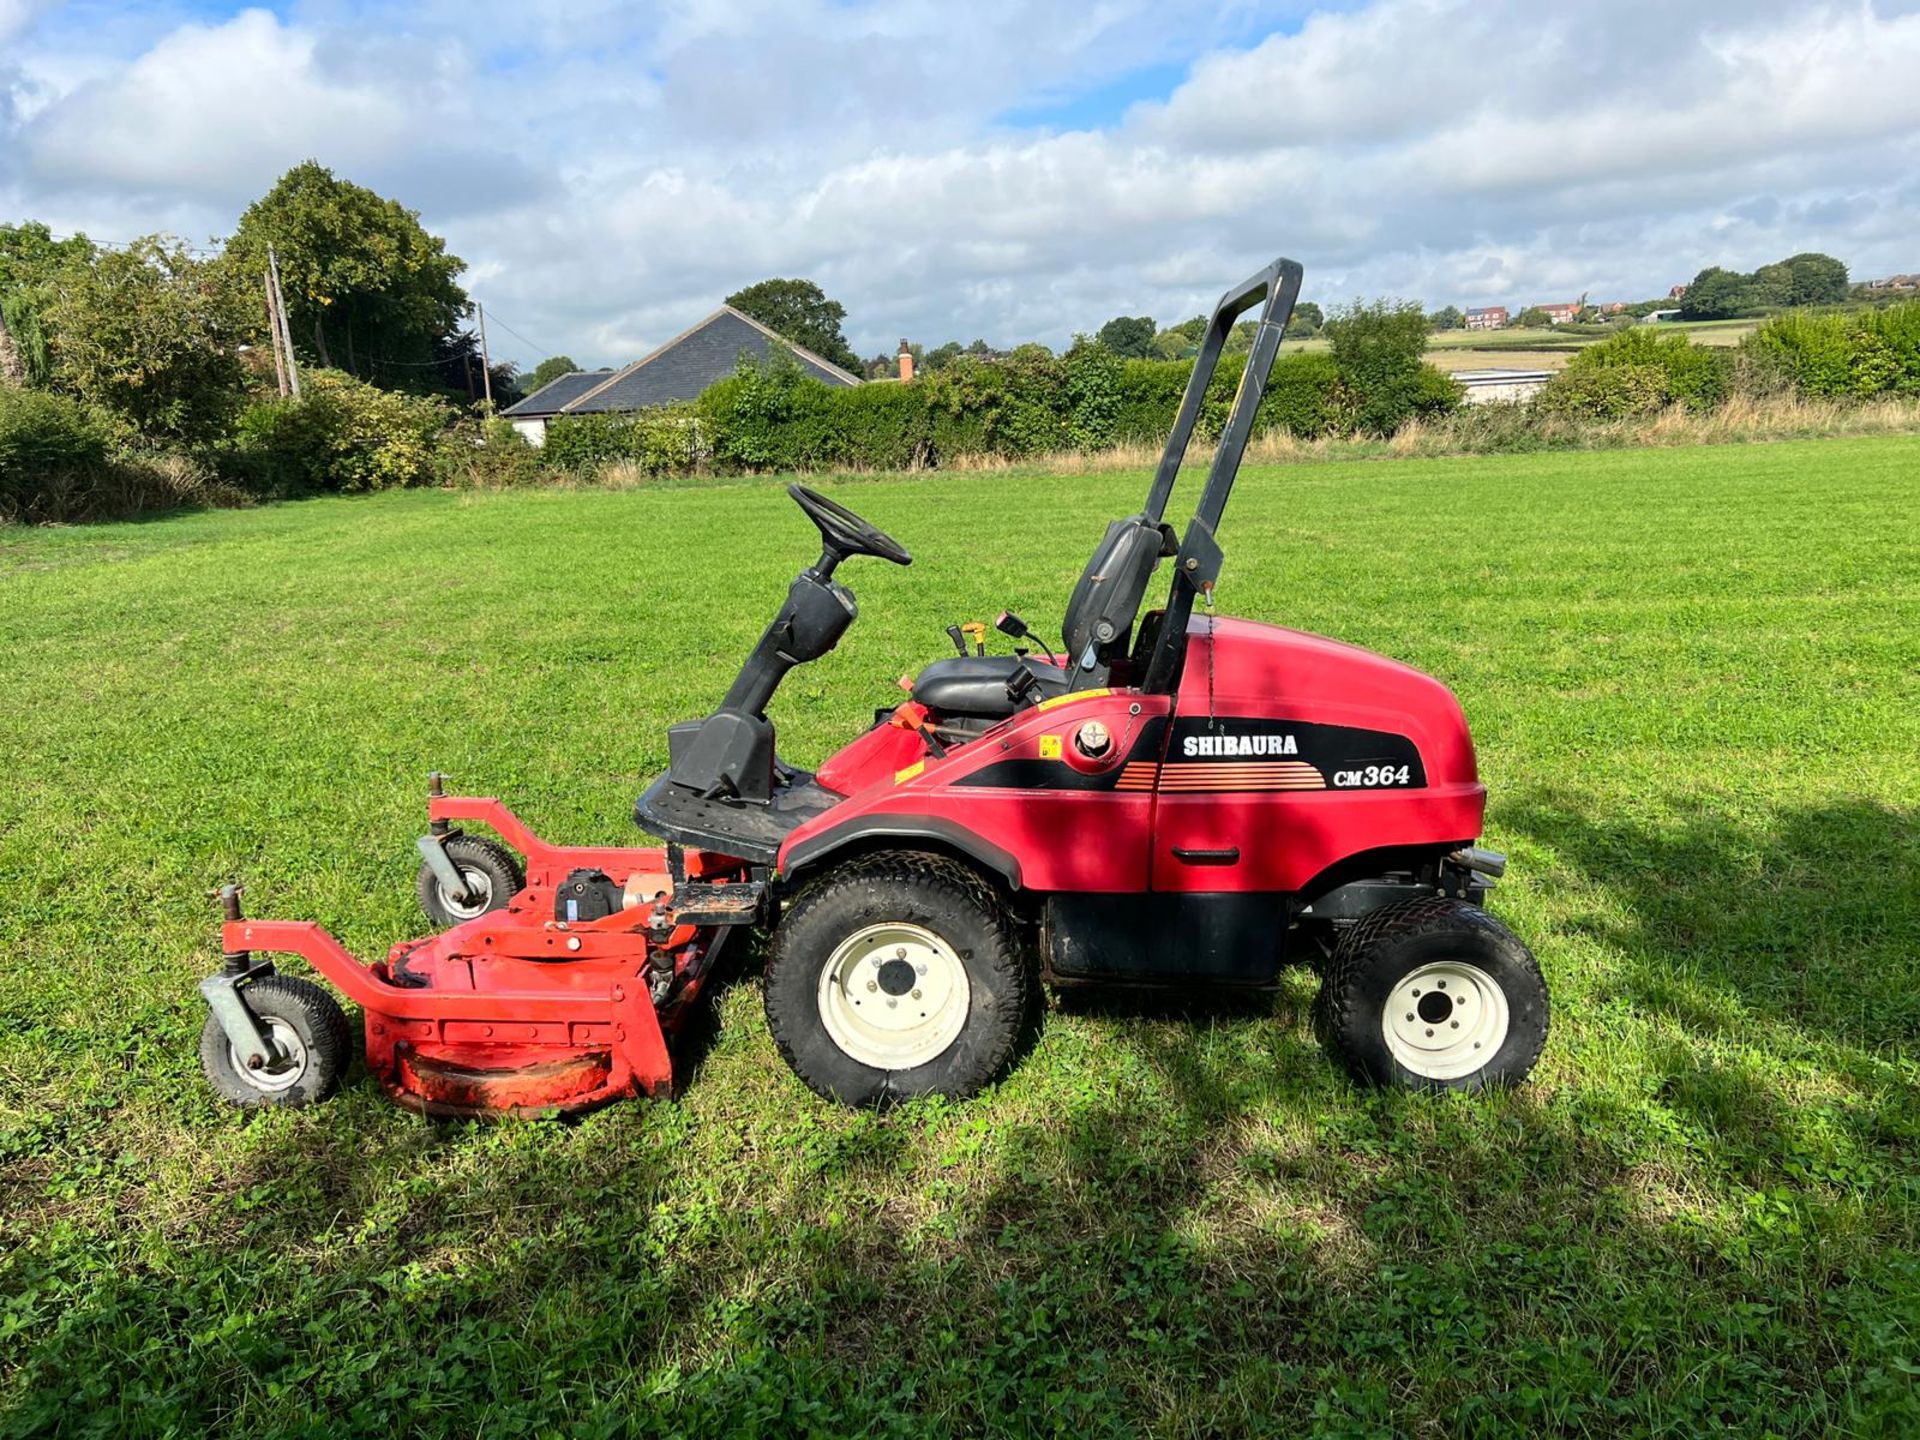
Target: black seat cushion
column 977, row 684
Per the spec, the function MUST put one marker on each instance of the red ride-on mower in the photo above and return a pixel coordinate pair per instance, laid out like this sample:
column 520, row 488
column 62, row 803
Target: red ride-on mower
column 1176, row 799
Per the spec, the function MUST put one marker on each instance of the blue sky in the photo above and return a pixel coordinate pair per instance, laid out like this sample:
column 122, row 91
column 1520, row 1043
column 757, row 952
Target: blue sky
column 1006, row 170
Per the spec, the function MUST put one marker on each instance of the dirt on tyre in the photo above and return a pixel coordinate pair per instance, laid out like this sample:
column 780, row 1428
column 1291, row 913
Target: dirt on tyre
column 896, row 975
column 492, row 876
column 312, row 1041
column 1434, row 994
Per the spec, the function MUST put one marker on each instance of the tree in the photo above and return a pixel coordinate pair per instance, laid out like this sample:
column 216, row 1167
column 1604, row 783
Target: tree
column 1533, row 318
column 30, row 260
column 368, row 290
column 1379, row 354
column 1128, row 336
column 1809, row 278
column 1447, row 317
column 1306, row 320
column 942, row 356
column 550, row 370
column 1717, row 294
column 798, row 310
column 152, row 333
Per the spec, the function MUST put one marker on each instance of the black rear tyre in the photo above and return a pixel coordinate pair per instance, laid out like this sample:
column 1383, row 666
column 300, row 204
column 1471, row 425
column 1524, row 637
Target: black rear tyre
column 308, row 1027
column 898, row 974
column 1433, row 994
column 493, row 878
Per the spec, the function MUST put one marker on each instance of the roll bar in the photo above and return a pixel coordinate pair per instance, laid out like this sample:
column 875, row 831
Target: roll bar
column 1197, row 565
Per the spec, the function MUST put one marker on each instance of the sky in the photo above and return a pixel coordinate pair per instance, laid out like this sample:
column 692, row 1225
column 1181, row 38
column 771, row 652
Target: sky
column 611, row 171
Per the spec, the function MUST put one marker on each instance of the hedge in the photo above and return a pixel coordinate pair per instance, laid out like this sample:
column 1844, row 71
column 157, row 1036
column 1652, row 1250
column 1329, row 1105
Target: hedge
column 1638, row 372
column 1841, row 355
column 341, row 434
column 46, row 439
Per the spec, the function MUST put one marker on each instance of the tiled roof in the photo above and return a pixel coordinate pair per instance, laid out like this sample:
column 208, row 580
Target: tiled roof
column 552, row 397
column 695, row 359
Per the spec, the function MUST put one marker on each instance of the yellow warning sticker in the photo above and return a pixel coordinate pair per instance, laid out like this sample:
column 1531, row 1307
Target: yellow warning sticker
column 900, row 777
column 1049, row 747
column 1068, row 699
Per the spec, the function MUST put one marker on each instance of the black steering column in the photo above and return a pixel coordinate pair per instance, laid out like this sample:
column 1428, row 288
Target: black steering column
column 729, row 755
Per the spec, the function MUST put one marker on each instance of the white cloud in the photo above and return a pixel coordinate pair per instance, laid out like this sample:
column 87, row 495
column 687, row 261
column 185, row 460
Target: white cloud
column 612, row 177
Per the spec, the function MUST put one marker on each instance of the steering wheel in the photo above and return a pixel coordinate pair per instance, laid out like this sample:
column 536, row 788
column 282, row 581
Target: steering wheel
column 844, row 532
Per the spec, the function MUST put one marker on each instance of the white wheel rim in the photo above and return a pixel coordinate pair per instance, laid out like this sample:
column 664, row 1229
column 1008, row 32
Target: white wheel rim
column 274, row 1076
column 1446, row 1020
column 894, row 996
column 479, row 894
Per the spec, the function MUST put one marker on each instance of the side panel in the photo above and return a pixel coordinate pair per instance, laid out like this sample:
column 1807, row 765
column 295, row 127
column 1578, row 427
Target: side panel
column 1075, row 823
column 1289, row 752
column 1218, row 939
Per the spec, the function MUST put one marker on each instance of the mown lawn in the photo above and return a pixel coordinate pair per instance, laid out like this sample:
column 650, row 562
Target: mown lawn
column 1695, row 680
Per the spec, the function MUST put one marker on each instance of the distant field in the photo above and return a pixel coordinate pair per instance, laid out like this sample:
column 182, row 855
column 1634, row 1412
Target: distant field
column 1695, row 683
column 1543, row 349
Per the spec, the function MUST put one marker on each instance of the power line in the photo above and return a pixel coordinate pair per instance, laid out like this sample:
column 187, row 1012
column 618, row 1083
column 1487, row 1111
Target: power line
column 543, row 351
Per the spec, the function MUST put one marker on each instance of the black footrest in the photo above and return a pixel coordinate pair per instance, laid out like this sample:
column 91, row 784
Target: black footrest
column 744, row 902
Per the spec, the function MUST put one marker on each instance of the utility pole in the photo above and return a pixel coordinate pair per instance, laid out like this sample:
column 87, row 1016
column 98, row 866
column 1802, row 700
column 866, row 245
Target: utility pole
column 273, row 326
column 280, row 305
column 486, row 365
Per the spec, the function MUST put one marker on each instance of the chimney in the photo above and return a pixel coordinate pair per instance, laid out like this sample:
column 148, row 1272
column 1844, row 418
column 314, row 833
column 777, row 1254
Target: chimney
column 906, row 362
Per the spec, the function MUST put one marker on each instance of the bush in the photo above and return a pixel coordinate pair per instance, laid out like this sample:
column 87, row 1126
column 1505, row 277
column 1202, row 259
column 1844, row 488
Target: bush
column 1637, row 372
column 1379, row 353
column 1841, row 354
column 341, row 435
column 46, row 440
column 660, row 441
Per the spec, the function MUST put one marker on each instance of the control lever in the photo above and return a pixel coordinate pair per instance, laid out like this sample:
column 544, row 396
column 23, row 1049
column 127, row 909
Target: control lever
column 959, row 639
column 978, row 633
column 1011, row 624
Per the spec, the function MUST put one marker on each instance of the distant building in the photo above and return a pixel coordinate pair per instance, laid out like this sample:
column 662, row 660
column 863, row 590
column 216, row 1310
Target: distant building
column 1488, row 387
column 1489, row 317
column 1677, row 292
column 678, row 370
column 1612, row 307
column 1561, row 314
column 1654, row 317
column 1896, row 282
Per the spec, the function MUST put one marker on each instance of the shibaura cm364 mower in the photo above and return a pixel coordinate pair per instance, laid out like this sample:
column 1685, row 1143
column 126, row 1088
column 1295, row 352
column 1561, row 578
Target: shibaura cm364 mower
column 1176, row 799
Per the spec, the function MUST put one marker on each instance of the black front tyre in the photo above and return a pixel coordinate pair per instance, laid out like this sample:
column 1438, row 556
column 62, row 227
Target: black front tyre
column 492, row 875
column 310, row 1032
column 896, row 975
column 1434, row 994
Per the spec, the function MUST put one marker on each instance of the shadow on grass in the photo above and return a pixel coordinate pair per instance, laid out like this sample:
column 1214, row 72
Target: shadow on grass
column 1175, row 1221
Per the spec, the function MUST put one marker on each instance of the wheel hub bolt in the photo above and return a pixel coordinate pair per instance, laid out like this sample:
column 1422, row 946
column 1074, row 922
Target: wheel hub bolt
column 901, row 953
column 1456, row 1024
column 873, row 984
column 891, row 1002
column 916, row 994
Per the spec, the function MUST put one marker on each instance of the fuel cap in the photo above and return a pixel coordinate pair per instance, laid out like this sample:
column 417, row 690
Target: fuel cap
column 1093, row 739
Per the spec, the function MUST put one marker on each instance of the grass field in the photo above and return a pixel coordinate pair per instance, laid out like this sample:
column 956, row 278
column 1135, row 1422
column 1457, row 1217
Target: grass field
column 1694, row 676
column 1543, row 348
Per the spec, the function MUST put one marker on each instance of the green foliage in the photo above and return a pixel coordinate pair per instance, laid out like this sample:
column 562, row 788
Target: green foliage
column 548, row 371
column 24, row 356
column 1534, row 317
column 368, row 290
column 45, row 439
column 800, row 311
column 1447, row 317
column 1379, row 352
column 661, row 441
column 342, row 434
column 1306, row 321
column 1852, row 354
column 1809, row 278
column 150, row 333
column 1128, row 336
column 1636, row 372
column 1090, row 393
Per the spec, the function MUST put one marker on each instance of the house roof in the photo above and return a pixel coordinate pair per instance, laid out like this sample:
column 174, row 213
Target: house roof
column 555, row 395
column 694, row 359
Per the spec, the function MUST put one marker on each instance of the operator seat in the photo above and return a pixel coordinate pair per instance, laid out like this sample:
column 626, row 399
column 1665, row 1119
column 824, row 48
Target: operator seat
column 1098, row 624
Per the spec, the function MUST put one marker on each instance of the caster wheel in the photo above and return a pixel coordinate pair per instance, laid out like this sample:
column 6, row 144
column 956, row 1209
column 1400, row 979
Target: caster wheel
column 493, row 878
column 309, row 1030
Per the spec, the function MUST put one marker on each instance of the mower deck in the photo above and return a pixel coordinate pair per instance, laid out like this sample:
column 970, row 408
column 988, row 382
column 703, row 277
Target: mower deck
column 515, row 1011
